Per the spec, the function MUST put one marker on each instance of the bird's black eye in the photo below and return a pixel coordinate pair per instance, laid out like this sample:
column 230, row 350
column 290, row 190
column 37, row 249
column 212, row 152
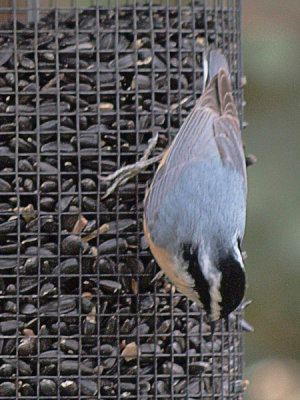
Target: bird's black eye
column 240, row 244
column 187, row 251
column 233, row 284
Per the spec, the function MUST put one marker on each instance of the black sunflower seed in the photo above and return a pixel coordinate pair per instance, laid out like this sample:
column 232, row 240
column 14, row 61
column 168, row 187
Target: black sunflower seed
column 48, row 186
column 27, row 346
column 5, row 186
column 89, row 387
column 111, row 246
column 48, row 387
column 9, row 226
column 7, row 389
column 54, row 147
column 8, row 263
column 69, row 388
column 10, row 326
column 6, row 370
column 72, row 245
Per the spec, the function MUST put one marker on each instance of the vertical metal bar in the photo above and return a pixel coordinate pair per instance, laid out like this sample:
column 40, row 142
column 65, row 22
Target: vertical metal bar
column 38, row 184
column 239, row 8
column 153, row 88
column 136, row 90
column 33, row 12
column 240, row 72
column 117, row 10
column 180, row 61
column 168, row 88
column 98, row 214
column 59, row 187
column 79, row 168
column 15, row 50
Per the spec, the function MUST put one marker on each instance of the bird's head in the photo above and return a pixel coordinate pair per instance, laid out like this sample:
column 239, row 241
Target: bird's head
column 220, row 281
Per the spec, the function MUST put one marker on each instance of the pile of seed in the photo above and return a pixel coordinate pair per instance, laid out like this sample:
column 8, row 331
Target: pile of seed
column 85, row 312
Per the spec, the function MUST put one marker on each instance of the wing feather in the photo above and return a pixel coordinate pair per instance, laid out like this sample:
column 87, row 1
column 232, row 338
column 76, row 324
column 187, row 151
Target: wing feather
column 211, row 130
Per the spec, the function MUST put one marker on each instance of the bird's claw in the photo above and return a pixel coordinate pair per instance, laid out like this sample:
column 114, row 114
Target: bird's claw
column 123, row 174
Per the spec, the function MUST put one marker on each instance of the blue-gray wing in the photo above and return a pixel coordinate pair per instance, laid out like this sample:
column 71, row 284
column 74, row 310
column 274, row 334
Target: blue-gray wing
column 211, row 131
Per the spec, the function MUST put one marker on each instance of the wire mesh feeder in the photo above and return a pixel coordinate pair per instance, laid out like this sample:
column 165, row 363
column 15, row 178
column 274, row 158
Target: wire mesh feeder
column 84, row 314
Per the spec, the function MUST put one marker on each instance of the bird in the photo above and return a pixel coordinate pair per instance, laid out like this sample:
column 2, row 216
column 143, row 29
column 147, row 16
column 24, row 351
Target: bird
column 195, row 208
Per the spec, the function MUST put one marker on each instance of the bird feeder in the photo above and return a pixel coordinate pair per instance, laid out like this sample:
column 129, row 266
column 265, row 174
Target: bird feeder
column 85, row 311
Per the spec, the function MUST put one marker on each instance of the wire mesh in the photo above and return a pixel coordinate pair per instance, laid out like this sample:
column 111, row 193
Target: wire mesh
column 84, row 312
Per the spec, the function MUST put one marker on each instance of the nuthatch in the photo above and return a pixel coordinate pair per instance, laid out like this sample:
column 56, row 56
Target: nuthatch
column 195, row 209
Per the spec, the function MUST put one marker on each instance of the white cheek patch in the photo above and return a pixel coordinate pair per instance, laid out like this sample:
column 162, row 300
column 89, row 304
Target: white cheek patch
column 215, row 298
column 237, row 251
column 213, row 277
column 184, row 281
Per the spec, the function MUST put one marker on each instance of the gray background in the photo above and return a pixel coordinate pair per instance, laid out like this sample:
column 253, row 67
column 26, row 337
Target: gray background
column 271, row 62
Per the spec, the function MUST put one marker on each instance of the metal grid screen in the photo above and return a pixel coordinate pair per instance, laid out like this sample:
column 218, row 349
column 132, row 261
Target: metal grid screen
column 84, row 314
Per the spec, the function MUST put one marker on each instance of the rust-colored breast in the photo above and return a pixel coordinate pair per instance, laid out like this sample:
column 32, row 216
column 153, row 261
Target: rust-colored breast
column 172, row 268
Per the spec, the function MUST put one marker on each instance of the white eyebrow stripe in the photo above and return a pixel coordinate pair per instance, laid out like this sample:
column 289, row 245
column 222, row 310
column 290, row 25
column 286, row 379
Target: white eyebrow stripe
column 213, row 277
column 186, row 283
column 215, row 298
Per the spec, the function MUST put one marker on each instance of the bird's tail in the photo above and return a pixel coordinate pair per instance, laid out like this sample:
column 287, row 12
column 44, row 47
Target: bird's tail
column 217, row 93
column 212, row 62
column 216, row 60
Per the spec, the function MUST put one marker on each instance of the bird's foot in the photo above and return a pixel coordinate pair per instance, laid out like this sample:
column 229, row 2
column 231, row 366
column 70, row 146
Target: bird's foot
column 123, row 174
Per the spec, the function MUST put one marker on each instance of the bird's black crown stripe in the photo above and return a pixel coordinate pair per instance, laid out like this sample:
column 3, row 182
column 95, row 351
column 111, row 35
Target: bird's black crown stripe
column 233, row 284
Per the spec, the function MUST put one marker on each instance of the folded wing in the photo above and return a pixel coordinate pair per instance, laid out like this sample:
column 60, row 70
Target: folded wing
column 211, row 130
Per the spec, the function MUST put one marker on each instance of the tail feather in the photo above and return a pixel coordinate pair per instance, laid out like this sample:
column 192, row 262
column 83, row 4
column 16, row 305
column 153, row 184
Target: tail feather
column 218, row 91
column 216, row 60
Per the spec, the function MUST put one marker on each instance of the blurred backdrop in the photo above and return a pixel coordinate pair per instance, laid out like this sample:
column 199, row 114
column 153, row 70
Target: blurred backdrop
column 271, row 62
column 271, row 31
